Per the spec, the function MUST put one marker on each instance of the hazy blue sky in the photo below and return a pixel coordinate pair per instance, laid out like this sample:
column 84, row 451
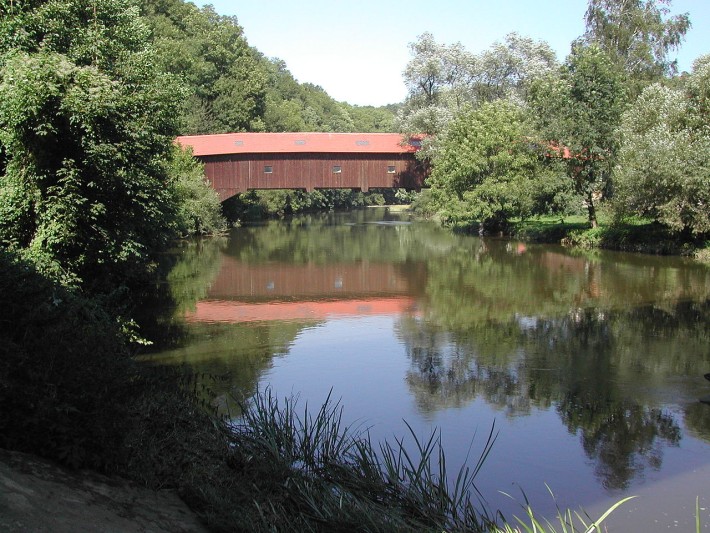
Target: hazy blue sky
column 357, row 49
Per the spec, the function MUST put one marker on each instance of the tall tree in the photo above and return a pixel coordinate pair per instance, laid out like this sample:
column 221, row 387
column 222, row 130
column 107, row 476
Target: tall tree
column 444, row 79
column 86, row 127
column 578, row 111
column 638, row 35
column 506, row 69
column 663, row 168
column 487, row 172
column 224, row 75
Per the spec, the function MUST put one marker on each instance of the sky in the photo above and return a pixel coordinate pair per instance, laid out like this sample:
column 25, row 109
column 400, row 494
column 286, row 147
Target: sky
column 357, row 49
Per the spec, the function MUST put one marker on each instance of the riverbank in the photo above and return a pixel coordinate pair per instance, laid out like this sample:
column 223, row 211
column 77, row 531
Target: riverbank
column 71, row 392
column 641, row 237
column 41, row 496
column 81, row 399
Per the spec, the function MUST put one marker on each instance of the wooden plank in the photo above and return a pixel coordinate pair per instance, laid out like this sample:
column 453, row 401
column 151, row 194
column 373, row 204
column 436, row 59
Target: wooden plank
column 237, row 173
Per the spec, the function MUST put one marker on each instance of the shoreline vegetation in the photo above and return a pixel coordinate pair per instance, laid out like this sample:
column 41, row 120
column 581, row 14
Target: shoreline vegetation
column 644, row 237
column 573, row 231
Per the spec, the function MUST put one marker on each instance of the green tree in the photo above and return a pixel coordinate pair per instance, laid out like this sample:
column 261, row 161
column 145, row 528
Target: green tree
column 638, row 35
column 663, row 170
column 487, row 171
column 225, row 77
column 506, row 69
column 578, row 111
column 86, row 127
column 199, row 210
column 442, row 80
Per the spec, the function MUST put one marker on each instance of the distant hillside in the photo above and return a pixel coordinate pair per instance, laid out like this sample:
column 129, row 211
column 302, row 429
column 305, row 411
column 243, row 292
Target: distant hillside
column 231, row 86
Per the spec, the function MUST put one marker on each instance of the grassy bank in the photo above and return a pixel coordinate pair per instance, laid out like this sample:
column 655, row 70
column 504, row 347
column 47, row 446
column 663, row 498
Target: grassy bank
column 637, row 236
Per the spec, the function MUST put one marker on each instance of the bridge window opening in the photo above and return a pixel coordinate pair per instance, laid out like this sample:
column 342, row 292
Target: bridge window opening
column 268, row 169
column 362, row 143
column 391, row 169
column 299, row 142
column 337, row 169
column 238, row 143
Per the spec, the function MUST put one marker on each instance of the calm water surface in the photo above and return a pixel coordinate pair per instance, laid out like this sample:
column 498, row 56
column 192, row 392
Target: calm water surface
column 590, row 365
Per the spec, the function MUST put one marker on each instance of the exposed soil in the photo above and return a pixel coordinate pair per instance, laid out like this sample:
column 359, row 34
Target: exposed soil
column 40, row 496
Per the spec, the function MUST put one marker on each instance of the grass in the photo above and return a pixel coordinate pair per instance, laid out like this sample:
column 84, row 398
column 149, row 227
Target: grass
column 318, row 473
column 636, row 235
column 567, row 521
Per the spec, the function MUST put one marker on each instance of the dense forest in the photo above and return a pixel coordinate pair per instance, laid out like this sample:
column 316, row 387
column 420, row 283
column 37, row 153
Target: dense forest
column 233, row 87
column 515, row 134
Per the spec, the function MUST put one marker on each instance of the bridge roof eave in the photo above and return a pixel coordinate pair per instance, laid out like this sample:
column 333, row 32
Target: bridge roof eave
column 299, row 142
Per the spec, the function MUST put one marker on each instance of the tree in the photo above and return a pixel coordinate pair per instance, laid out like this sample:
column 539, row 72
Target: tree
column 199, row 210
column 578, row 111
column 225, row 77
column 506, row 69
column 443, row 79
column 487, row 171
column 86, row 128
column 663, row 170
column 637, row 35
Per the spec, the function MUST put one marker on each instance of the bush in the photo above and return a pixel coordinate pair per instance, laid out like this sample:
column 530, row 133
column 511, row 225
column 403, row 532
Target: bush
column 70, row 391
column 198, row 207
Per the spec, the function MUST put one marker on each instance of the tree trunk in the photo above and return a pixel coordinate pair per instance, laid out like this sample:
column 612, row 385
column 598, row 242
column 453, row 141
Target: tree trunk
column 592, row 210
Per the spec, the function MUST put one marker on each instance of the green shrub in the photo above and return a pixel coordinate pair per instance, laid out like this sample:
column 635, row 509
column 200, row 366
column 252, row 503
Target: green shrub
column 69, row 389
column 198, row 207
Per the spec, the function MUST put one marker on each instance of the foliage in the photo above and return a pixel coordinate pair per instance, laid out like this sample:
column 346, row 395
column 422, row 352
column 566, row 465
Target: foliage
column 233, row 87
column 225, row 77
column 663, row 168
column 487, row 172
column 637, row 35
column 568, row 521
column 69, row 389
column 86, row 125
column 199, row 210
column 262, row 204
column 291, row 106
column 442, row 80
column 578, row 111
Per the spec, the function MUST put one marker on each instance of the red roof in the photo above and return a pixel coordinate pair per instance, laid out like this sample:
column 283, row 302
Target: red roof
column 230, row 311
column 272, row 143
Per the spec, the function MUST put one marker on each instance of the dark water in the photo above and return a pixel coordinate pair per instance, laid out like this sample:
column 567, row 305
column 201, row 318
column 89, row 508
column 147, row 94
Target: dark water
column 590, row 365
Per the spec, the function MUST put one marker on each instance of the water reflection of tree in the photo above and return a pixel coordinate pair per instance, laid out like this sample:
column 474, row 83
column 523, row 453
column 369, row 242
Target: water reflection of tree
column 622, row 438
column 447, row 371
column 575, row 362
column 322, row 240
column 229, row 359
column 183, row 277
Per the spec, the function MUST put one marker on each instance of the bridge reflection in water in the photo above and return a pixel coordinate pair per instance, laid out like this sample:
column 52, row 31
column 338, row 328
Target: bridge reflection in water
column 247, row 292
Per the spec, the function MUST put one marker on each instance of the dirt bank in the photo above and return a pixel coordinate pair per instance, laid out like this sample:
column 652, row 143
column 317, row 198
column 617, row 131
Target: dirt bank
column 39, row 496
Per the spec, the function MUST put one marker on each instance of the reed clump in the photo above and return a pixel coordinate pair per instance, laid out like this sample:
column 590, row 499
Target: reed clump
column 307, row 471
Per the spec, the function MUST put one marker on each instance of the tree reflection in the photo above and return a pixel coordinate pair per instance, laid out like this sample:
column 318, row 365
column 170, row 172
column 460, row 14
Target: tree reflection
column 604, row 339
column 598, row 368
column 623, row 439
column 447, row 372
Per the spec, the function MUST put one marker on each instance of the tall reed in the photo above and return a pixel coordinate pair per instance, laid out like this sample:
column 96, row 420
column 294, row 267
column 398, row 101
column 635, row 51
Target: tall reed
column 322, row 474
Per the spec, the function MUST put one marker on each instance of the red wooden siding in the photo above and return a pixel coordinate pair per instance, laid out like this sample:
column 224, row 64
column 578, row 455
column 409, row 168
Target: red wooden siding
column 363, row 160
column 249, row 282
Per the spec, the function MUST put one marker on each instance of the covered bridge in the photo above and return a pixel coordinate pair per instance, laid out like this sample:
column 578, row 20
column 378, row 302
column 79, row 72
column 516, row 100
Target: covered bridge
column 238, row 162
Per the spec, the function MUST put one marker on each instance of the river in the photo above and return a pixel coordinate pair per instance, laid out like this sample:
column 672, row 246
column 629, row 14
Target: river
column 589, row 365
